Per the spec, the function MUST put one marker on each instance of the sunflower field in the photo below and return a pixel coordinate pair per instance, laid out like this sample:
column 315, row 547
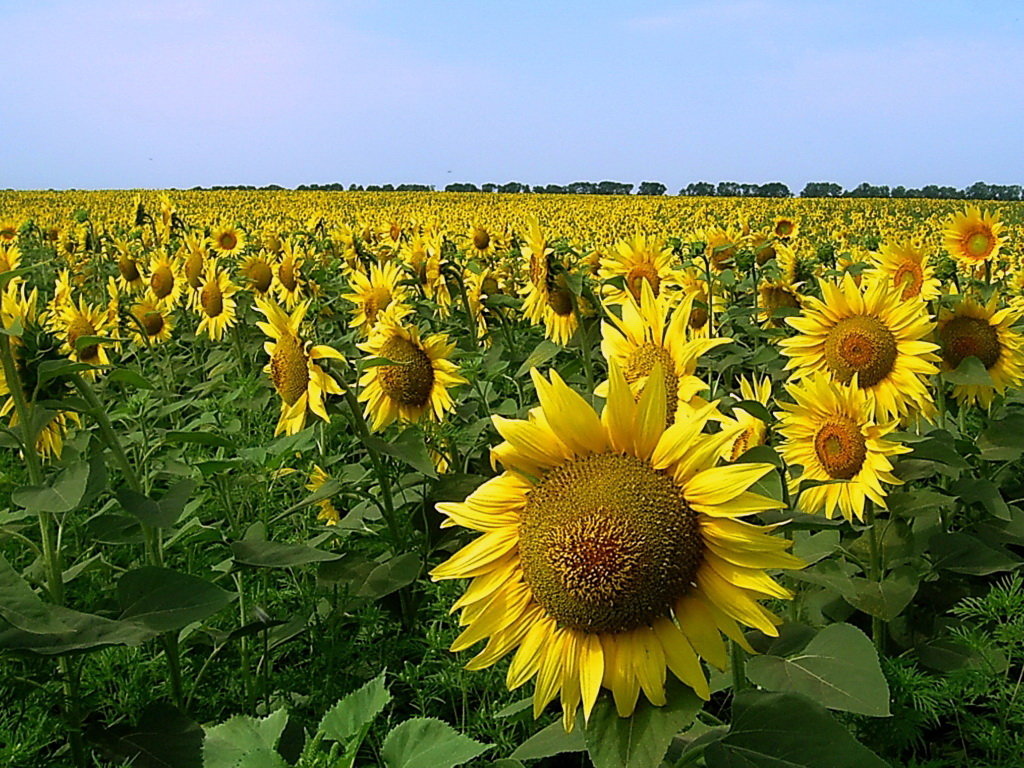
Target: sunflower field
column 420, row 480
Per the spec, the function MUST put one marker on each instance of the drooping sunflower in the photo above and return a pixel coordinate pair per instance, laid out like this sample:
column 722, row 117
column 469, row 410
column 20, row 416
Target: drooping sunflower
column 973, row 236
column 153, row 324
column 216, row 303
column 561, row 317
column 866, row 334
column 986, row 332
column 651, row 332
column 166, row 281
column 830, row 431
column 695, row 288
column 751, row 430
column 906, row 266
column 299, row 381
column 193, row 258
column 374, row 293
column 637, row 260
column 227, row 240
column 611, row 549
column 289, row 276
column 258, row 270
column 417, row 380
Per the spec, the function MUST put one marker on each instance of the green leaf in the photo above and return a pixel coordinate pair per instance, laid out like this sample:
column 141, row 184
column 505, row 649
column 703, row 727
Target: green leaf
column 164, row 600
column 164, row 738
column 963, row 553
column 552, row 740
column 424, row 741
column 786, row 730
column 760, row 454
column 540, row 355
column 756, row 409
column 161, row 513
column 242, row 742
column 408, row 447
column 199, row 438
column 838, row 669
column 131, row 377
column 22, row 607
column 52, row 369
column 270, row 554
column 885, row 599
column 970, row 372
column 641, row 740
column 1003, row 440
column 85, row 632
column 63, row 495
column 346, row 719
column 978, row 490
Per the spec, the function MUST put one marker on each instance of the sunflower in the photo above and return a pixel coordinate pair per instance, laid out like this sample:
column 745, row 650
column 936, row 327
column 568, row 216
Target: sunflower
column 129, row 270
column 866, row 335
column 417, row 380
column 637, row 260
column 194, row 265
column 481, row 242
column 166, row 282
column 611, row 550
column 227, row 240
column 722, row 247
column 985, row 332
column 752, row 430
column 216, row 305
column 973, row 236
column 905, row 266
column 8, row 233
column 695, row 289
column 435, row 286
column 785, row 227
column 651, row 332
column 560, row 316
column 10, row 259
column 479, row 285
column 829, row 431
column 79, row 321
column 318, row 478
column 374, row 293
column 152, row 324
column 258, row 269
column 774, row 295
column 538, row 256
column 299, row 381
column 289, row 276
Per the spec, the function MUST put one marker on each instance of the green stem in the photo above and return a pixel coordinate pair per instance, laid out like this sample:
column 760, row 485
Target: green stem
column 877, row 572
column 738, row 660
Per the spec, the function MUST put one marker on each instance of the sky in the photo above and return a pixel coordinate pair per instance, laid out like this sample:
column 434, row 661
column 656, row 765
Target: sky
column 178, row 93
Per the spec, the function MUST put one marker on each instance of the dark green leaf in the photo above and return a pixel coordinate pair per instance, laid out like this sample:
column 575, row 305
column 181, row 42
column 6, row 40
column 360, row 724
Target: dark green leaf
column 963, row 553
column 164, row 600
column 130, row 377
column 162, row 513
column 164, row 738
column 424, row 741
column 970, row 372
column 64, row 495
column 22, row 607
column 552, row 740
column 270, row 554
column 540, row 355
column 978, row 490
column 1003, row 440
column 199, row 438
column 408, row 447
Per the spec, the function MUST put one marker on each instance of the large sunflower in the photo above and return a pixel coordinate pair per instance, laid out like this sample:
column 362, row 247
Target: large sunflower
column 985, row 332
column 416, row 381
column 216, row 303
column 830, row 432
column 972, row 236
column 637, row 260
column 652, row 332
column 866, row 335
column 611, row 550
column 374, row 293
column 905, row 265
column 299, row 381
column 166, row 281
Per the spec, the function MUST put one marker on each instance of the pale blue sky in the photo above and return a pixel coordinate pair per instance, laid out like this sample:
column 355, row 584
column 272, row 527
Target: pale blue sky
column 126, row 93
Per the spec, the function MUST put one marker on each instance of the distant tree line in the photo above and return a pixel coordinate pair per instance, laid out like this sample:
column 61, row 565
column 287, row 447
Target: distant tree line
column 979, row 190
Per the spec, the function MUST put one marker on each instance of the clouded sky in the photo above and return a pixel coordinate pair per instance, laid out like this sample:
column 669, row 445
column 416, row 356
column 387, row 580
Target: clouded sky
column 177, row 93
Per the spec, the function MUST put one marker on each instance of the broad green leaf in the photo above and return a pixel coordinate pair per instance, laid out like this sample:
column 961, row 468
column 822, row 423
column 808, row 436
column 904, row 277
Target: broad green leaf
column 760, row 454
column 1003, row 440
column 408, row 447
column 164, row 600
column 271, row 554
column 641, row 740
column 552, row 740
column 86, row 632
column 243, row 741
column 970, row 372
column 838, row 669
column 424, row 741
column 163, row 738
column 63, row 495
column 391, row 576
column 157, row 513
column 349, row 716
column 23, row 608
column 130, row 376
column 756, row 409
column 979, row 490
column 885, row 599
column 540, row 355
column 52, row 369
column 963, row 553
column 786, row 730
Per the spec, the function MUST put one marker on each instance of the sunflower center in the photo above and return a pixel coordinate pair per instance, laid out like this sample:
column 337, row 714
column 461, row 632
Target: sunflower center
column 641, row 362
column 775, row 297
column 978, row 244
column 227, row 240
column 152, row 321
column 8, row 233
column 963, row 337
column 411, row 380
column 840, row 448
column 162, row 281
column 289, row 369
column 784, row 228
column 129, row 269
column 377, row 301
column 286, row 274
column 194, row 270
column 764, row 253
column 212, row 299
column 560, row 300
column 860, row 345
column 489, row 286
column 910, row 277
column 77, row 329
column 261, row 276
column 639, row 273
column 481, row 239
column 608, row 543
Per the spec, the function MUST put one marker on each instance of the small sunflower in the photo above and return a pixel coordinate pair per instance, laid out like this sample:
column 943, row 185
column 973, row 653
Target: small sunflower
column 129, row 271
column 774, row 295
column 289, row 276
column 611, row 550
column 481, row 242
column 722, row 247
column 695, row 289
column 830, row 432
column 417, row 380
column 80, row 321
column 318, row 478
column 869, row 336
column 973, row 236
column 216, row 303
column 299, row 381
column 986, row 332
column 258, row 269
column 561, row 318
column 8, row 233
column 194, row 258
column 537, row 255
column 153, row 324
column 374, row 293
column 10, row 259
column 227, row 240
column 637, row 260
column 906, row 266
column 785, row 227
column 166, row 281
column 751, row 430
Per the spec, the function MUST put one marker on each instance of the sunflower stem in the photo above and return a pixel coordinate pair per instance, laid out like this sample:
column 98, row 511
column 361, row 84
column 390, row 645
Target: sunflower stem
column 51, row 548
column 738, row 660
column 877, row 571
